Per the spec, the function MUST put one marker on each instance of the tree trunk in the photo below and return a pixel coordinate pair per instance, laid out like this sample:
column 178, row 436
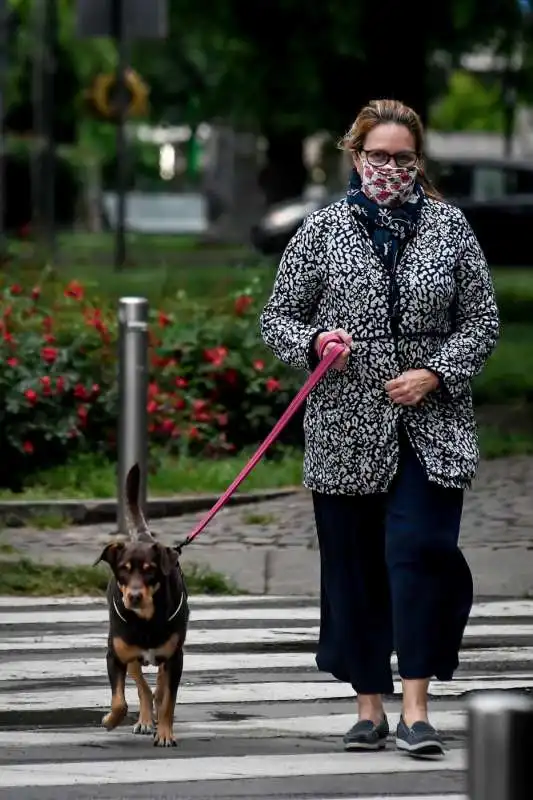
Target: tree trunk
column 395, row 64
column 284, row 175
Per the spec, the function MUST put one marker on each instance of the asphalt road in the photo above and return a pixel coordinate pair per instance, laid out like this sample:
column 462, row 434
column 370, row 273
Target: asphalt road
column 254, row 718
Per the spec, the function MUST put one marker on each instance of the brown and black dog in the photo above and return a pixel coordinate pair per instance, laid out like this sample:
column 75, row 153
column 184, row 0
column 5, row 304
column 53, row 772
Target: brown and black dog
column 148, row 619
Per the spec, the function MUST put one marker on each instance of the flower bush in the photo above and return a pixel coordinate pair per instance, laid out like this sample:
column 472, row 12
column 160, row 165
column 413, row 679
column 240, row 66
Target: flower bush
column 213, row 386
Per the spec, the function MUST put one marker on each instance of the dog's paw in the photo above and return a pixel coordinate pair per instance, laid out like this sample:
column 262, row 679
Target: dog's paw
column 163, row 737
column 114, row 717
column 144, row 728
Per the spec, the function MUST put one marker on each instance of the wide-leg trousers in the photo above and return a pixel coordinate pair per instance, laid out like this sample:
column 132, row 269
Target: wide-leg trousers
column 392, row 579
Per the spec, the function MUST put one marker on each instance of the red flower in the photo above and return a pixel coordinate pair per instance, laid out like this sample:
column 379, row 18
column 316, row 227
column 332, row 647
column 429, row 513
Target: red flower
column 222, row 420
column 46, row 383
column 49, row 339
column 60, row 385
column 216, row 356
column 242, row 303
column 47, row 324
column 15, row 289
column 95, row 389
column 163, row 319
column 36, row 292
column 82, row 412
column 153, row 389
column 181, row 383
column 28, row 448
column 31, row 396
column 201, row 411
column 80, row 392
column 152, row 407
column 49, row 354
column 93, row 318
column 75, row 290
column 12, row 362
column 193, row 432
column 259, row 365
column 272, row 385
column 9, row 338
column 168, row 426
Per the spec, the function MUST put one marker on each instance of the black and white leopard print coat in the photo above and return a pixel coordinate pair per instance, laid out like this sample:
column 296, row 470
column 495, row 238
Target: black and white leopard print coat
column 330, row 277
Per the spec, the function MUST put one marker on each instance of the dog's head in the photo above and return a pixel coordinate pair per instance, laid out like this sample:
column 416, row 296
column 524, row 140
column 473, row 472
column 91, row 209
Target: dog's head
column 140, row 565
column 140, row 569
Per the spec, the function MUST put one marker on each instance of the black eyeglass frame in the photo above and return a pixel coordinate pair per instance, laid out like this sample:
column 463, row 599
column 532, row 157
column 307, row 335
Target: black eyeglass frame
column 412, row 153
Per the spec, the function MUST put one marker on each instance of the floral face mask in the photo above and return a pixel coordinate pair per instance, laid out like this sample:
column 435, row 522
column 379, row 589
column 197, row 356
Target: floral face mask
column 388, row 186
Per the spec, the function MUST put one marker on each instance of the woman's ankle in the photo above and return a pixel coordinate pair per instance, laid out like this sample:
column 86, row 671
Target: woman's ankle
column 370, row 707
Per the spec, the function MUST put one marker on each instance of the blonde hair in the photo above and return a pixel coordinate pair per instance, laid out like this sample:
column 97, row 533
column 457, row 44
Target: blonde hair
column 386, row 112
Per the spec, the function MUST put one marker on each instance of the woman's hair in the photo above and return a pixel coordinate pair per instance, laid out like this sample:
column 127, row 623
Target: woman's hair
column 383, row 112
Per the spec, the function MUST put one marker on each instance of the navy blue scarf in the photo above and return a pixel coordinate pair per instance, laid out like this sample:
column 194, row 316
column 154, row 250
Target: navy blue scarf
column 389, row 228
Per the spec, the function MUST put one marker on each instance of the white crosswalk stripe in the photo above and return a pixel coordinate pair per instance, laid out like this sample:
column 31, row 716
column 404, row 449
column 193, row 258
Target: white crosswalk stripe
column 252, row 708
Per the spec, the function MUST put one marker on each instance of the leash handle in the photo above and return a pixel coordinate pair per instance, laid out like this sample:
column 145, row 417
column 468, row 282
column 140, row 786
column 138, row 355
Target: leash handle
column 306, row 389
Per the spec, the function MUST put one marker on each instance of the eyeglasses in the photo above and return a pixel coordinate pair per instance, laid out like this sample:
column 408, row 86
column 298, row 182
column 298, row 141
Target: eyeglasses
column 379, row 158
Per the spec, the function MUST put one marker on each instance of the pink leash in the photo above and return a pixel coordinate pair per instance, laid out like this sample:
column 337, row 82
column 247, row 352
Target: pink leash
column 309, row 385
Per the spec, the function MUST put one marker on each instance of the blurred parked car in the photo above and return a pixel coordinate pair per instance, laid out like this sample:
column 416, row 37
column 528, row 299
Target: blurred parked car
column 496, row 196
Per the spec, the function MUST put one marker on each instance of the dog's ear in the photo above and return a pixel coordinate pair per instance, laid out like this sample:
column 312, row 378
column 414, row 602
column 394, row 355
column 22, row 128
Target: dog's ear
column 110, row 554
column 167, row 558
column 133, row 486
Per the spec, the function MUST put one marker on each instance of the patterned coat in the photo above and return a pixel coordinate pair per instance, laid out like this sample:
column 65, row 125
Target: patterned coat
column 331, row 277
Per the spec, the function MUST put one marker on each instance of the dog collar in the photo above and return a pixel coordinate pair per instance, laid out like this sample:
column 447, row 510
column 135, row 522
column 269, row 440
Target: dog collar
column 176, row 612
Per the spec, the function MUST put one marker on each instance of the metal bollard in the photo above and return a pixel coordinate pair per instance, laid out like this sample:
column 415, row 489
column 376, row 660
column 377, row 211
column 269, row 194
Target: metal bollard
column 133, row 398
column 500, row 747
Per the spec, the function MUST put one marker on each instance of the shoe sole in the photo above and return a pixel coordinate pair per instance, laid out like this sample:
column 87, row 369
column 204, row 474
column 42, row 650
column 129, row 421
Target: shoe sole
column 429, row 750
column 353, row 747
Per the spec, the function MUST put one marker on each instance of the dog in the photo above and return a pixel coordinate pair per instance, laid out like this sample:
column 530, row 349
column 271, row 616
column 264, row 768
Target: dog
column 148, row 619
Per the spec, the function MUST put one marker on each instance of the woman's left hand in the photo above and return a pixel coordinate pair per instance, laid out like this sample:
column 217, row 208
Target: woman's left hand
column 411, row 387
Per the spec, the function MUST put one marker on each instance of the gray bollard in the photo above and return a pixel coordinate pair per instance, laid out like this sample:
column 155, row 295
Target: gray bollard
column 500, row 747
column 133, row 398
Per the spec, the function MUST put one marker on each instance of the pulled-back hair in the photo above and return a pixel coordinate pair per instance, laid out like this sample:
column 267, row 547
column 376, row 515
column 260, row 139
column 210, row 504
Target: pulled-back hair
column 386, row 112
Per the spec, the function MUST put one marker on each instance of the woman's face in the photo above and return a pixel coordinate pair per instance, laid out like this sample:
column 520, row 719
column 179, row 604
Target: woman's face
column 384, row 141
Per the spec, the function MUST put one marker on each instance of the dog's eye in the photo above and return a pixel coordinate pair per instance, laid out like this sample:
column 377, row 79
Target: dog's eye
column 127, row 567
column 148, row 567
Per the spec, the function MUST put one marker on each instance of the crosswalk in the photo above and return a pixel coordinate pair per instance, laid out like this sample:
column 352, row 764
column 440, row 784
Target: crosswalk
column 254, row 717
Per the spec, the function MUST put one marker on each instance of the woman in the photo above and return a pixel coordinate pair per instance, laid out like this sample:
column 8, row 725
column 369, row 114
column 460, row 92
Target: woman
column 397, row 276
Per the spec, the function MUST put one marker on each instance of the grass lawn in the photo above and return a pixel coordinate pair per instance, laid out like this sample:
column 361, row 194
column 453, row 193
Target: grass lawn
column 23, row 577
column 88, row 477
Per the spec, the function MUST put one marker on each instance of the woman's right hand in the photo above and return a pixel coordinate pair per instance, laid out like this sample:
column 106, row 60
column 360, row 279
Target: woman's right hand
column 346, row 339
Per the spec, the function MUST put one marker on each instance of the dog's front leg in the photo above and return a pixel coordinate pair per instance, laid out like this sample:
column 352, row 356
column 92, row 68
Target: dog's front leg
column 116, row 671
column 169, row 684
column 145, row 723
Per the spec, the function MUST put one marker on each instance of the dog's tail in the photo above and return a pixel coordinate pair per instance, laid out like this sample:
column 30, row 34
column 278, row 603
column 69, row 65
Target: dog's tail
column 138, row 524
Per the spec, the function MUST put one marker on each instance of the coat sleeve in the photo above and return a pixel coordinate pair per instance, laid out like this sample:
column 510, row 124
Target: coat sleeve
column 286, row 321
column 477, row 324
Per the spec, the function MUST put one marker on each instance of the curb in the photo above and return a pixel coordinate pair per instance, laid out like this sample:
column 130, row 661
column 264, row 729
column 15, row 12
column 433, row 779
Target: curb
column 15, row 514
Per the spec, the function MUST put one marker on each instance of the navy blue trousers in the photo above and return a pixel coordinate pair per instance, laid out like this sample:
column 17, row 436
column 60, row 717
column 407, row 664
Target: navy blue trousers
column 392, row 578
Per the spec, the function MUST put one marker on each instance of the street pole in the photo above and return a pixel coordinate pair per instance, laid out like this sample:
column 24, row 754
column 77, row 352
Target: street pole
column 133, row 398
column 118, row 33
column 500, row 743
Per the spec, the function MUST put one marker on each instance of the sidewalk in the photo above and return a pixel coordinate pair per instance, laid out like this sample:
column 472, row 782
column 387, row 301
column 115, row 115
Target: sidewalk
column 270, row 546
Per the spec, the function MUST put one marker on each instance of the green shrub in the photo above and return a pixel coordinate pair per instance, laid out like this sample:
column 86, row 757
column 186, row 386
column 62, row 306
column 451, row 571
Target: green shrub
column 514, row 292
column 213, row 387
